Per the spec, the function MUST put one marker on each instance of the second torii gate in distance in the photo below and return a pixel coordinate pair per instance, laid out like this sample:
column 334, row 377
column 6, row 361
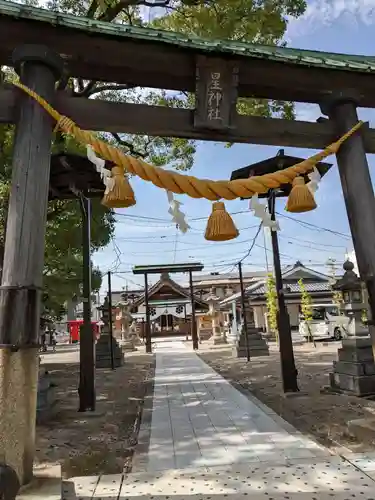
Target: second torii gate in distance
column 170, row 268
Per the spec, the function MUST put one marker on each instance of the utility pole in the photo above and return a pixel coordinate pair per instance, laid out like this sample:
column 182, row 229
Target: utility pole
column 86, row 390
column 288, row 368
column 110, row 320
column 22, row 276
column 194, row 332
column 148, row 319
column 243, row 303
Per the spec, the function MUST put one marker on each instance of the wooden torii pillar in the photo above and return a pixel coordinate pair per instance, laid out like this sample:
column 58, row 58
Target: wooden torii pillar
column 21, row 285
column 357, row 188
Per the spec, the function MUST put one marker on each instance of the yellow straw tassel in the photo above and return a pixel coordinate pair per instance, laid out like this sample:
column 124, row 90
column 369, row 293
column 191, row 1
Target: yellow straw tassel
column 122, row 194
column 220, row 225
column 300, row 198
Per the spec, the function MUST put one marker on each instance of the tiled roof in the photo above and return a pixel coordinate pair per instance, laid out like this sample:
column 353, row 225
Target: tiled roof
column 248, row 275
column 293, row 288
column 356, row 63
column 167, row 281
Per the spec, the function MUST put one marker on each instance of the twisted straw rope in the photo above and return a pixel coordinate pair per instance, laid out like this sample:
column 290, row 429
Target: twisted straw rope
column 187, row 184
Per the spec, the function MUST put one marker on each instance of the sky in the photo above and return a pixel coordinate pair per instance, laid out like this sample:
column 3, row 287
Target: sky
column 145, row 234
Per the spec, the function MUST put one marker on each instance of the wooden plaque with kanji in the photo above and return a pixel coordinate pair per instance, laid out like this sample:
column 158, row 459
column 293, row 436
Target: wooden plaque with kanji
column 216, row 93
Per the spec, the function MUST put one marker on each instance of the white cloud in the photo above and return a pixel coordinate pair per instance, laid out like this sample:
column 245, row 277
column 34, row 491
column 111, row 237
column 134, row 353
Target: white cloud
column 327, row 12
column 307, row 112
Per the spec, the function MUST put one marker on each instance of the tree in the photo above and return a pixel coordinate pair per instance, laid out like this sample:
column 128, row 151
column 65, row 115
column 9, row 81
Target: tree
column 272, row 305
column 306, row 309
column 263, row 22
column 63, row 245
column 337, row 297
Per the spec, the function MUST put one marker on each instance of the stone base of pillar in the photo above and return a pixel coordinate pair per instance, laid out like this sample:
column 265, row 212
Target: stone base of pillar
column 46, row 400
column 205, row 334
column 18, row 397
column 103, row 352
column 232, row 337
column 216, row 340
column 354, row 372
column 135, row 339
column 127, row 345
column 257, row 345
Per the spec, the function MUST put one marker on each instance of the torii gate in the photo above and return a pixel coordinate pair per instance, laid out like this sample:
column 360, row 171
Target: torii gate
column 105, row 52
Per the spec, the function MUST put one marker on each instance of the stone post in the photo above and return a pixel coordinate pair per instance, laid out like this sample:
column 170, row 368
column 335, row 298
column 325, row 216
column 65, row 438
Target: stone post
column 255, row 342
column 103, row 346
column 127, row 339
column 22, row 276
column 234, row 328
column 213, row 301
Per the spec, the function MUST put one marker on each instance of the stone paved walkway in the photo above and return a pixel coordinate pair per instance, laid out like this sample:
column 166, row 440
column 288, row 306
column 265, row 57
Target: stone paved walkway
column 209, row 441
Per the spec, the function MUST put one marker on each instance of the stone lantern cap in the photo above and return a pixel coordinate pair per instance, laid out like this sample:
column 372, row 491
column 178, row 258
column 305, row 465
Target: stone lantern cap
column 104, row 306
column 124, row 303
column 211, row 297
column 350, row 281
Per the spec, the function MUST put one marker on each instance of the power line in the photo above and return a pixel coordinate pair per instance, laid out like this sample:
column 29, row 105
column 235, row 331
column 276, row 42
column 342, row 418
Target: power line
column 310, row 225
column 315, row 248
column 252, row 243
column 175, row 245
column 161, row 219
column 312, row 242
column 135, row 239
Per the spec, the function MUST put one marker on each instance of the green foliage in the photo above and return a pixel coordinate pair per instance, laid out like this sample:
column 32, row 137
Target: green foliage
column 306, row 302
column 272, row 305
column 337, row 297
column 306, row 307
column 63, row 245
column 262, row 22
column 241, row 20
column 173, row 152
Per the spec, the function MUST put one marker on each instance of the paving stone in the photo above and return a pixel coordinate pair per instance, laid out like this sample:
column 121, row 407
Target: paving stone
column 310, row 480
column 208, row 441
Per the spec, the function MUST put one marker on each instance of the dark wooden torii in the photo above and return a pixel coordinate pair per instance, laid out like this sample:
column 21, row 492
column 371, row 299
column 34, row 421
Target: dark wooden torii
column 170, row 268
column 39, row 43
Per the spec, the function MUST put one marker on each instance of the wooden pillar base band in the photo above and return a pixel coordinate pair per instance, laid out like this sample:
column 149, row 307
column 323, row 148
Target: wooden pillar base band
column 9, row 483
column 19, row 315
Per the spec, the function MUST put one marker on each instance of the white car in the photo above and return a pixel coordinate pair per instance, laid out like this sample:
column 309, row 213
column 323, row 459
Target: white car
column 327, row 322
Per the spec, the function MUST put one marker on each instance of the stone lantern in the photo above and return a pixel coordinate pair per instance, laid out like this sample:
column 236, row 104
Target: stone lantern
column 213, row 310
column 126, row 319
column 354, row 372
column 107, row 346
column 353, row 305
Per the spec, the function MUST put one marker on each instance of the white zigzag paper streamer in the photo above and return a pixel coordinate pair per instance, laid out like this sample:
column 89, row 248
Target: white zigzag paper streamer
column 315, row 178
column 178, row 217
column 260, row 211
column 105, row 174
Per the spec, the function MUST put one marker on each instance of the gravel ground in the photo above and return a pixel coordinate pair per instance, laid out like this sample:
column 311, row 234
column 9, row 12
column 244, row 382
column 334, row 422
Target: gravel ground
column 100, row 442
column 324, row 416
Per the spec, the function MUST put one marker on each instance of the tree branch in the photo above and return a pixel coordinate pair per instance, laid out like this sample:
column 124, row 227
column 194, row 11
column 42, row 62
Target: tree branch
column 132, row 150
column 161, row 3
column 92, row 9
column 85, row 91
column 103, row 88
column 112, row 12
